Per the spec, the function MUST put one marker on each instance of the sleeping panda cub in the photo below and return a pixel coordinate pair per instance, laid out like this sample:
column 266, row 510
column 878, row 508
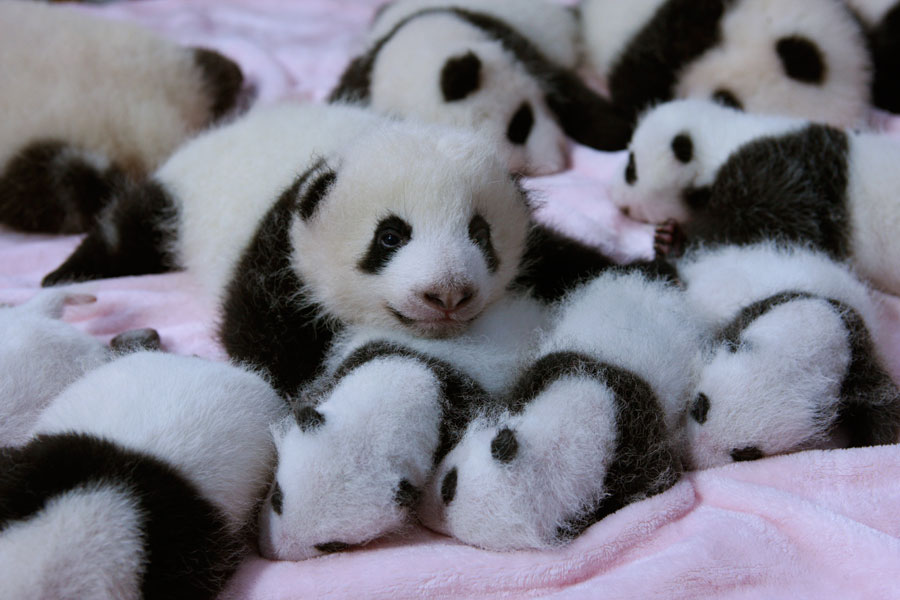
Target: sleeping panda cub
column 881, row 21
column 139, row 482
column 792, row 364
column 356, row 453
column 97, row 102
column 730, row 177
column 505, row 68
column 302, row 218
column 592, row 424
column 805, row 58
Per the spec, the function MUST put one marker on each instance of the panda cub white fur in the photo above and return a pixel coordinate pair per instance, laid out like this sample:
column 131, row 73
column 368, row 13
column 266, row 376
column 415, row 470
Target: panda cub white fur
column 732, row 177
column 139, row 482
column 591, row 425
column 503, row 68
column 806, row 58
column 881, row 20
column 96, row 102
column 791, row 364
column 302, row 218
column 356, row 453
column 39, row 356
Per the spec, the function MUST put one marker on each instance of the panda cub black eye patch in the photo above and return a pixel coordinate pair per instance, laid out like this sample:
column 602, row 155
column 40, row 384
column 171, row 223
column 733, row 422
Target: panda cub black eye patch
column 312, row 187
column 631, row 170
column 391, row 234
column 460, row 76
column 480, row 233
column 727, row 98
column 520, row 125
column 683, row 147
column 802, row 59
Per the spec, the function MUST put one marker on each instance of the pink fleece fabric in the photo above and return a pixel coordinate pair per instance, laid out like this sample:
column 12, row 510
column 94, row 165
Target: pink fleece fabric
column 816, row 524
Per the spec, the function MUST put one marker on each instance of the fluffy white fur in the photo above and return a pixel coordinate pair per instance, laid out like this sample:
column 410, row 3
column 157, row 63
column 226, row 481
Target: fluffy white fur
column 209, row 420
column 781, row 390
column 338, row 481
column 745, row 61
column 718, row 132
column 39, row 356
column 109, row 88
column 410, row 88
column 567, row 435
column 434, row 178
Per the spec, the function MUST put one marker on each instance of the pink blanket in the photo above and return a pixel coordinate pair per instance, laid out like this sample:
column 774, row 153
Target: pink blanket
column 816, row 524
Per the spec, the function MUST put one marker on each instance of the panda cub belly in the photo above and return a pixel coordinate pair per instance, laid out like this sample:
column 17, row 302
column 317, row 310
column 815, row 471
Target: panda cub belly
column 70, row 135
column 124, row 489
column 805, row 58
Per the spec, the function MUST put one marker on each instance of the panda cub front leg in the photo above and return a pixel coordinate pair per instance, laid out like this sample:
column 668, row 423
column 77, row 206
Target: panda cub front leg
column 352, row 463
column 579, row 440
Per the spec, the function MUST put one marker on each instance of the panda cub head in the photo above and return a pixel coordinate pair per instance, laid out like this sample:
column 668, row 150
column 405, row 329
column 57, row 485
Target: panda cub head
column 413, row 226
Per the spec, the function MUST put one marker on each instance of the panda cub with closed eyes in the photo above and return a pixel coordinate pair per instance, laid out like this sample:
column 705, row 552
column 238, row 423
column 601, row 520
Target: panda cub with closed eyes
column 506, row 68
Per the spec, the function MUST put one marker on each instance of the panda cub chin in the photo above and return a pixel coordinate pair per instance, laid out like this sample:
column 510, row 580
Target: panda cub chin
column 98, row 102
column 791, row 364
column 731, row 177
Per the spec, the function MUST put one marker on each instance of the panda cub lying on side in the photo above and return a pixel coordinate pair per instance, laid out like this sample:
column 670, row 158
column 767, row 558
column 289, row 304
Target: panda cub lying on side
column 138, row 483
column 732, row 177
column 97, row 101
column 805, row 58
column 792, row 364
column 504, row 67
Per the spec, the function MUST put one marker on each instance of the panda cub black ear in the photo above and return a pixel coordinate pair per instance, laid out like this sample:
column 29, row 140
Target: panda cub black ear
column 460, row 76
column 683, row 147
column 802, row 59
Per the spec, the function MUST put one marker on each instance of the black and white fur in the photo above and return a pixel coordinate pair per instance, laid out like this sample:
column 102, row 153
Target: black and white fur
column 88, row 102
column 792, row 363
column 356, row 453
column 591, row 425
column 881, row 21
column 731, row 177
column 301, row 218
column 805, row 58
column 139, row 482
column 504, row 68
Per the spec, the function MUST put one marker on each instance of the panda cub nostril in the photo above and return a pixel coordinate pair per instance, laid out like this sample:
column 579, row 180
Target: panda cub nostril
column 449, row 300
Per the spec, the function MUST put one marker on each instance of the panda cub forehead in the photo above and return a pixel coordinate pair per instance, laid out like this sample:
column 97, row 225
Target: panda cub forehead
column 416, row 224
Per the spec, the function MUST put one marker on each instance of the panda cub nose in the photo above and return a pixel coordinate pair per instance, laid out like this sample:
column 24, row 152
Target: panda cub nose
column 450, row 298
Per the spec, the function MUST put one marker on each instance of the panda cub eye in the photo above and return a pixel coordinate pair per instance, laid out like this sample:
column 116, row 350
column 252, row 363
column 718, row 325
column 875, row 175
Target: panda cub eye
column 683, row 148
column 391, row 238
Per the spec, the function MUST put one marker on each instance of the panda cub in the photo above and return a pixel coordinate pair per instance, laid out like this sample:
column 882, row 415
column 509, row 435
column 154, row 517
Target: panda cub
column 505, row 68
column 96, row 102
column 805, row 58
column 792, row 364
column 729, row 177
column 881, row 20
column 592, row 424
column 138, row 483
column 300, row 219
column 356, row 453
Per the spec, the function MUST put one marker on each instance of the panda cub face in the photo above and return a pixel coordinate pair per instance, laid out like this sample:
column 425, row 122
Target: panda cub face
column 463, row 77
column 413, row 226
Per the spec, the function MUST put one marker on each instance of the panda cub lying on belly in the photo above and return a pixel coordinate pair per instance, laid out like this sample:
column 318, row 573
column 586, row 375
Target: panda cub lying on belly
column 502, row 67
column 300, row 218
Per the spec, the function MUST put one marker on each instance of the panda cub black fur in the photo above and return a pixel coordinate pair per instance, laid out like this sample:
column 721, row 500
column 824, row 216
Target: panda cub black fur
column 881, row 21
column 139, row 482
column 505, row 68
column 805, row 58
column 97, row 102
column 731, row 177
column 299, row 219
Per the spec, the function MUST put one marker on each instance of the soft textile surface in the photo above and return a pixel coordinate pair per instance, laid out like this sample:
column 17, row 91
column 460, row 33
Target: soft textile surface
column 812, row 525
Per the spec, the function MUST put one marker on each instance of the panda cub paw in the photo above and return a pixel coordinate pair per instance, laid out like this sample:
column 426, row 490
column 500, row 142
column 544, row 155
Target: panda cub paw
column 669, row 240
column 351, row 467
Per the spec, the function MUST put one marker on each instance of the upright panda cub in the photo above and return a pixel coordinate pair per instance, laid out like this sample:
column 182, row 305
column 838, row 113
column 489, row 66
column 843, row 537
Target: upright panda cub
column 739, row 178
column 139, row 482
column 301, row 218
column 96, row 102
column 805, row 58
column 506, row 68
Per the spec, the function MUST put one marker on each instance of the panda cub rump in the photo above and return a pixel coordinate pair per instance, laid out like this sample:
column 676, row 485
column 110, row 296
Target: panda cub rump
column 99, row 102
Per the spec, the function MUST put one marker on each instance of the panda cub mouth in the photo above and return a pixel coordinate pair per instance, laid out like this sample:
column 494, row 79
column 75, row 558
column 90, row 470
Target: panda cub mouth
column 443, row 326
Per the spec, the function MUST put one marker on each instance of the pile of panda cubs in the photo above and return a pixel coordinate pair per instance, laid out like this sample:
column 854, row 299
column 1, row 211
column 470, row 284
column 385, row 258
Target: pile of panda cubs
column 101, row 102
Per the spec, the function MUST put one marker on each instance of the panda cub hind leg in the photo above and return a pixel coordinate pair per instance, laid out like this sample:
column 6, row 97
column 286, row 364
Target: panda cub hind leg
column 352, row 466
column 133, row 236
column 579, row 440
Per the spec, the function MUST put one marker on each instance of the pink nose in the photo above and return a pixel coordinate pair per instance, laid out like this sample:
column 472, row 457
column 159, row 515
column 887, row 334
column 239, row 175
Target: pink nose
column 450, row 298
